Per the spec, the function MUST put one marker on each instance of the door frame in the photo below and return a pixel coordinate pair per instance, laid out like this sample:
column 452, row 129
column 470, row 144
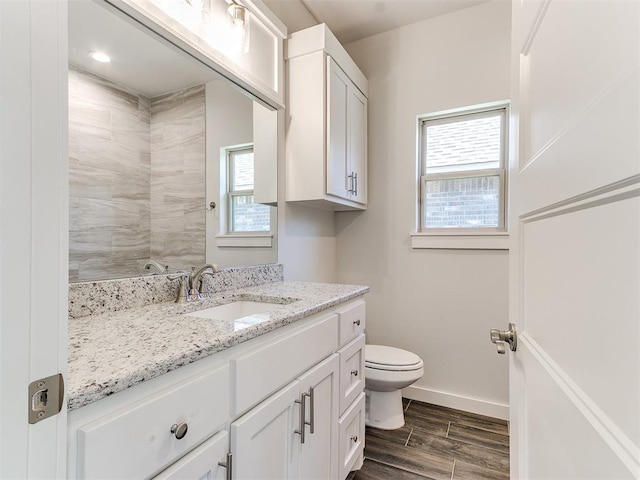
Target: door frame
column 34, row 222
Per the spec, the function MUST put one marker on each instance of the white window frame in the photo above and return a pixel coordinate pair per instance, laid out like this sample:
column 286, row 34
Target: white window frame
column 231, row 191
column 237, row 239
column 495, row 238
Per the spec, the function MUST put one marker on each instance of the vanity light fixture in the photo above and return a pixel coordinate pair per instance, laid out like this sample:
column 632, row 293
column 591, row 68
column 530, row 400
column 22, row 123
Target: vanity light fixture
column 100, row 57
column 239, row 19
column 238, row 14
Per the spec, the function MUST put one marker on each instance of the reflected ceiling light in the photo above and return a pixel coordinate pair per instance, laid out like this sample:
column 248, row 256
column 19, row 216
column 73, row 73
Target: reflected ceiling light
column 100, row 57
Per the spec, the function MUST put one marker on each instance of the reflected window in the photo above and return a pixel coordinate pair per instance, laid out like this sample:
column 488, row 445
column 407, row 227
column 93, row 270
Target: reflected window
column 244, row 214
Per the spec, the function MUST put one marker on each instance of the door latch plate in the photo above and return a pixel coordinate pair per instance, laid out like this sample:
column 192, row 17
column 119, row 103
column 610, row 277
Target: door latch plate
column 45, row 397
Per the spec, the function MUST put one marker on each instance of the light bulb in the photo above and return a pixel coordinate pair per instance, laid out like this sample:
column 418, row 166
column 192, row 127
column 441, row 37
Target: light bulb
column 100, row 57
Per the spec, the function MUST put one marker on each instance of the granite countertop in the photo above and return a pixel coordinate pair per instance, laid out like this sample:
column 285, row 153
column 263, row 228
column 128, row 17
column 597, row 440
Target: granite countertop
column 110, row 352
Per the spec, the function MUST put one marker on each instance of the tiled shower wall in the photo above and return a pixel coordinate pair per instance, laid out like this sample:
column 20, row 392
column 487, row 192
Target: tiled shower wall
column 178, row 178
column 126, row 152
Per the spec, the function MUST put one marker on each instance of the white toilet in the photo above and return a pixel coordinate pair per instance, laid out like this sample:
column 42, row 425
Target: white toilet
column 386, row 371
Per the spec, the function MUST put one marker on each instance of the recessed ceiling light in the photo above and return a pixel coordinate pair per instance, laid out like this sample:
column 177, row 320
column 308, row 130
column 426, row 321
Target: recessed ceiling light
column 100, row 57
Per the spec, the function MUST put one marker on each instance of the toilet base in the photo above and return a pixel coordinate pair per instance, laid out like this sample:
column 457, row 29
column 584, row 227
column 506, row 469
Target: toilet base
column 384, row 409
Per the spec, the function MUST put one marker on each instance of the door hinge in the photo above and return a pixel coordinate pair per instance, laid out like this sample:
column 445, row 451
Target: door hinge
column 45, row 397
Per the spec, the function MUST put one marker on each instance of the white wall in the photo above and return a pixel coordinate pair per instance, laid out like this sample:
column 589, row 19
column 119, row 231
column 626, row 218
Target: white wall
column 229, row 114
column 439, row 304
column 306, row 236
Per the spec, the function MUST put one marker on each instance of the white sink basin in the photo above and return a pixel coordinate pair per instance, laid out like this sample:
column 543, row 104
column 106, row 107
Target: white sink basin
column 235, row 311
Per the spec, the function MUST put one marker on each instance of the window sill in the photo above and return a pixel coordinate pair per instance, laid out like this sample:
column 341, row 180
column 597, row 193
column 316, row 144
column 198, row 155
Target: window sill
column 461, row 241
column 245, row 240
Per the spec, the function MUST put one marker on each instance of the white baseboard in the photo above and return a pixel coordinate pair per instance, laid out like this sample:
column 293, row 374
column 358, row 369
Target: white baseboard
column 473, row 405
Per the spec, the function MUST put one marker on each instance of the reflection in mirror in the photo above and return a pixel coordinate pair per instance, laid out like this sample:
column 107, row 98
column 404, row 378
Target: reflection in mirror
column 147, row 132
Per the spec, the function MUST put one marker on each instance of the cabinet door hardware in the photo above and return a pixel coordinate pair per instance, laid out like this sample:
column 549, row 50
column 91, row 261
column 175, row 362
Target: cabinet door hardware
column 355, row 182
column 228, row 465
column 179, row 430
column 312, row 415
column 303, row 412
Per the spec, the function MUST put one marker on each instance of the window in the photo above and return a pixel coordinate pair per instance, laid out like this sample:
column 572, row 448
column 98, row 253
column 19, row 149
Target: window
column 463, row 176
column 244, row 215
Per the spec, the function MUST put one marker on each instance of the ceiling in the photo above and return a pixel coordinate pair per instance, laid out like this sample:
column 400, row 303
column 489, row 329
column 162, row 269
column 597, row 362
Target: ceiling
column 140, row 60
column 352, row 20
column 145, row 64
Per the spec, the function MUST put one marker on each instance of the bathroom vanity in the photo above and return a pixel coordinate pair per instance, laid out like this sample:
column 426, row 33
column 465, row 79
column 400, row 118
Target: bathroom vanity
column 160, row 392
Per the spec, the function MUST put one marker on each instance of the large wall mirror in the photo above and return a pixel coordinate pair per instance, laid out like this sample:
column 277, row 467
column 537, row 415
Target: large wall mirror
column 170, row 165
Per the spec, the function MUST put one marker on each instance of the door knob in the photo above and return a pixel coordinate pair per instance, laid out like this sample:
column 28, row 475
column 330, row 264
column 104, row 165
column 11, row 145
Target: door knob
column 500, row 338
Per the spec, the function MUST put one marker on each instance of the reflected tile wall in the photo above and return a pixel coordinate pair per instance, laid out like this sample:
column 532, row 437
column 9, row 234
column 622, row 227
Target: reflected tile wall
column 178, row 178
column 109, row 179
column 136, row 179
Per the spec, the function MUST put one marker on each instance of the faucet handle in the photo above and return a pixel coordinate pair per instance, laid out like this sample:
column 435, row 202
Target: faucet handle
column 183, row 290
column 198, row 278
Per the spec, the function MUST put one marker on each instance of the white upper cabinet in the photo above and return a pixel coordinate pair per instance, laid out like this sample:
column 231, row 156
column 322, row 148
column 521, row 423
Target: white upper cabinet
column 327, row 123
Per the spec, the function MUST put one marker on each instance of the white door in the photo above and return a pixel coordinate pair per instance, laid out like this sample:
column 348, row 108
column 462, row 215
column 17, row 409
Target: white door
column 319, row 454
column 33, row 220
column 263, row 442
column 575, row 219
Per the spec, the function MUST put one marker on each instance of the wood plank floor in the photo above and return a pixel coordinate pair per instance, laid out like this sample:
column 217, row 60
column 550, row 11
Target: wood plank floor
column 437, row 443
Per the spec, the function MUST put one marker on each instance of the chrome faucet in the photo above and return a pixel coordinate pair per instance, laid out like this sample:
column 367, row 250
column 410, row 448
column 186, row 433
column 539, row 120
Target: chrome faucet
column 153, row 265
column 191, row 283
column 196, row 279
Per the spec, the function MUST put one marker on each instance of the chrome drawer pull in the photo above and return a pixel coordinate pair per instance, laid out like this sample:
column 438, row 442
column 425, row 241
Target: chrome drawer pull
column 357, row 322
column 228, row 465
column 179, row 430
column 312, row 414
column 303, row 411
column 354, row 373
column 354, row 438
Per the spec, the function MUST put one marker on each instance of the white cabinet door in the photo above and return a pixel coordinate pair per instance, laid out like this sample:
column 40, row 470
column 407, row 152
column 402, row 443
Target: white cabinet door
column 202, row 463
column 357, row 144
column 263, row 442
column 319, row 453
column 346, row 136
column 338, row 85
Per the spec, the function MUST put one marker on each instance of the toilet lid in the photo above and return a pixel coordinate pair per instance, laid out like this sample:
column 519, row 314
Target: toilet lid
column 382, row 357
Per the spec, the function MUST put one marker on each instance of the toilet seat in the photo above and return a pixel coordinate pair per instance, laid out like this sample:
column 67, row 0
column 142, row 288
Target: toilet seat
column 382, row 357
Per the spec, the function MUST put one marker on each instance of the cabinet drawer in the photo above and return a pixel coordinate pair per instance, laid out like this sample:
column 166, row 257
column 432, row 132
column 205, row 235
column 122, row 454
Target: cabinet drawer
column 263, row 371
column 136, row 441
column 351, row 372
column 351, row 321
column 351, row 436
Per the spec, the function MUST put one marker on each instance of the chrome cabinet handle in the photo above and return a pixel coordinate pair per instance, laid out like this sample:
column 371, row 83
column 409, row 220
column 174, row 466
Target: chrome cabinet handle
column 356, row 322
column 303, row 412
column 350, row 188
column 507, row 336
column 228, row 465
column 355, row 181
column 354, row 373
column 312, row 414
column 354, row 438
column 179, row 430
